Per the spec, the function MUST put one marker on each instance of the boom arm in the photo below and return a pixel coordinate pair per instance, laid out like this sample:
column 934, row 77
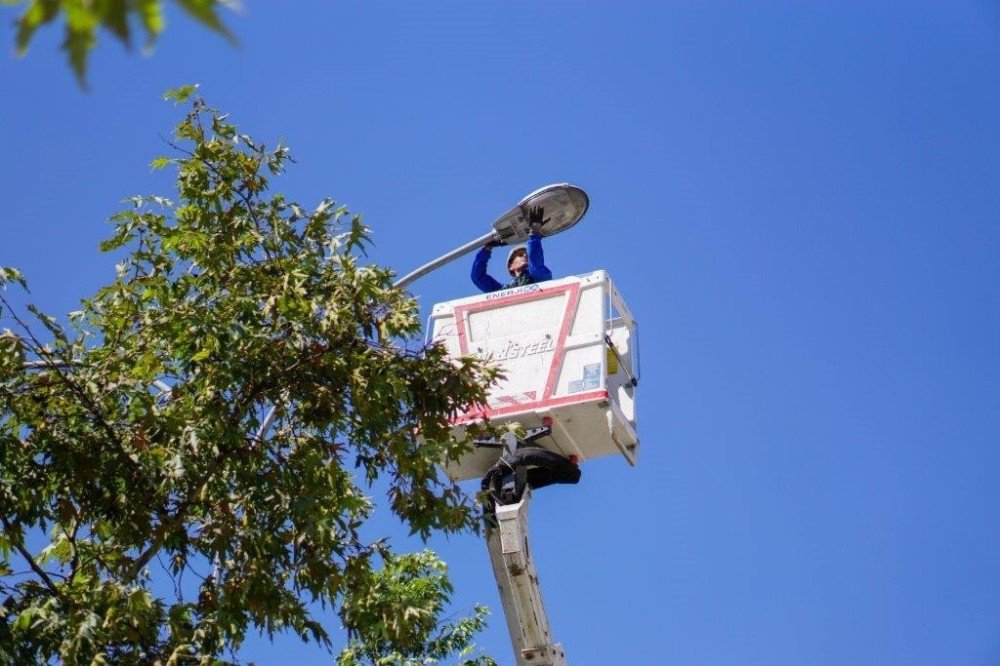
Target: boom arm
column 520, row 592
column 509, row 483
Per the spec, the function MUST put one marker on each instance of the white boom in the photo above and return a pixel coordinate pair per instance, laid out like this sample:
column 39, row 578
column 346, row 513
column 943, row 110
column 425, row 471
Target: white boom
column 569, row 351
column 520, row 592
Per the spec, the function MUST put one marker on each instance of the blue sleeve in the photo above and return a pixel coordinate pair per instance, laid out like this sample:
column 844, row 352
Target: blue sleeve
column 480, row 277
column 536, row 260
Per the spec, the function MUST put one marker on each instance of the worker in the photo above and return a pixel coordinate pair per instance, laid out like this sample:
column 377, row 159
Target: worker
column 526, row 264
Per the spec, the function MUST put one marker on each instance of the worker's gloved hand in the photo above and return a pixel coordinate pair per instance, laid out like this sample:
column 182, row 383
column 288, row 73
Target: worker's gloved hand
column 491, row 244
column 536, row 219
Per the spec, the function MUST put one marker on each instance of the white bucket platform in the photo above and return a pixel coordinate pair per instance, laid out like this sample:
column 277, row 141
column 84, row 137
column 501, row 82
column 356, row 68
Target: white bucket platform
column 569, row 350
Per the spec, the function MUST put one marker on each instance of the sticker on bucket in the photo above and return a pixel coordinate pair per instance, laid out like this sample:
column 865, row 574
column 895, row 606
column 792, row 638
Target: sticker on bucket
column 591, row 379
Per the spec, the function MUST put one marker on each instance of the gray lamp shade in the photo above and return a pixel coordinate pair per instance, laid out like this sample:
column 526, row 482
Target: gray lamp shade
column 564, row 206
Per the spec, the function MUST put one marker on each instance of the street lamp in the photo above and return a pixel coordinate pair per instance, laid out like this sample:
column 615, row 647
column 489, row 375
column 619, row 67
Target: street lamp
column 564, row 205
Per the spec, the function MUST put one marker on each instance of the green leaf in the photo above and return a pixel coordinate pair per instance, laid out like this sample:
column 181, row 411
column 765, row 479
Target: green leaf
column 204, row 12
column 24, row 620
column 151, row 14
column 201, row 355
column 81, row 28
column 83, row 18
column 159, row 163
column 8, row 274
column 181, row 94
column 39, row 13
column 114, row 16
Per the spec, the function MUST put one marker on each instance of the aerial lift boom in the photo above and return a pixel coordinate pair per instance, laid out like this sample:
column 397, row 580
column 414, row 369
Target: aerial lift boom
column 520, row 592
column 569, row 351
column 508, row 484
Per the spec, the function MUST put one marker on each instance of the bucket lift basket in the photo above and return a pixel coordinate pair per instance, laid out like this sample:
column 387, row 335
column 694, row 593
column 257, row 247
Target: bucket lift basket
column 569, row 351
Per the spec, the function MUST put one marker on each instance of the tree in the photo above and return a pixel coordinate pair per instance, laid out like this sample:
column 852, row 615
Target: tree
column 83, row 18
column 131, row 438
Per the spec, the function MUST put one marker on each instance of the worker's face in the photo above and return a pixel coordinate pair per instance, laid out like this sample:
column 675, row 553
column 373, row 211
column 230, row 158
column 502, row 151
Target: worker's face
column 518, row 262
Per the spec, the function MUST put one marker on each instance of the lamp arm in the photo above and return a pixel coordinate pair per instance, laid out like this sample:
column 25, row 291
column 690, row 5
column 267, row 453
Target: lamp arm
column 446, row 258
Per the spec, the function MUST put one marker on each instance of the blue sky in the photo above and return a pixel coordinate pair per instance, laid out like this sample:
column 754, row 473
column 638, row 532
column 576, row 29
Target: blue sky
column 799, row 202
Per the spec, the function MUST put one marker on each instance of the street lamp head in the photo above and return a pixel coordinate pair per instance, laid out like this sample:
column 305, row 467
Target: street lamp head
column 564, row 205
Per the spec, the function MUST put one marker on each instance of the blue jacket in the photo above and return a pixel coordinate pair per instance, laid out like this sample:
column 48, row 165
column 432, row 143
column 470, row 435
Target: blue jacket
column 537, row 272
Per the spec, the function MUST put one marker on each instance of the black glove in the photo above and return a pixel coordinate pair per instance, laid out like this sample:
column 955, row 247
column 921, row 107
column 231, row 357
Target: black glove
column 535, row 221
column 491, row 244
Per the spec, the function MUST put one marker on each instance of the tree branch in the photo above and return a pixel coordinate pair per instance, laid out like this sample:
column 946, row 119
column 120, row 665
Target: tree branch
column 71, row 537
column 30, row 559
column 88, row 404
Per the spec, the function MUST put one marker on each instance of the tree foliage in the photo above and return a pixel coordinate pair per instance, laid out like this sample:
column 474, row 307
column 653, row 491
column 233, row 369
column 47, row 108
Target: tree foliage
column 122, row 18
column 395, row 612
column 131, row 438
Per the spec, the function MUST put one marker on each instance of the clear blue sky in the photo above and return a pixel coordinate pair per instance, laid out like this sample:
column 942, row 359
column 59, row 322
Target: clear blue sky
column 799, row 201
